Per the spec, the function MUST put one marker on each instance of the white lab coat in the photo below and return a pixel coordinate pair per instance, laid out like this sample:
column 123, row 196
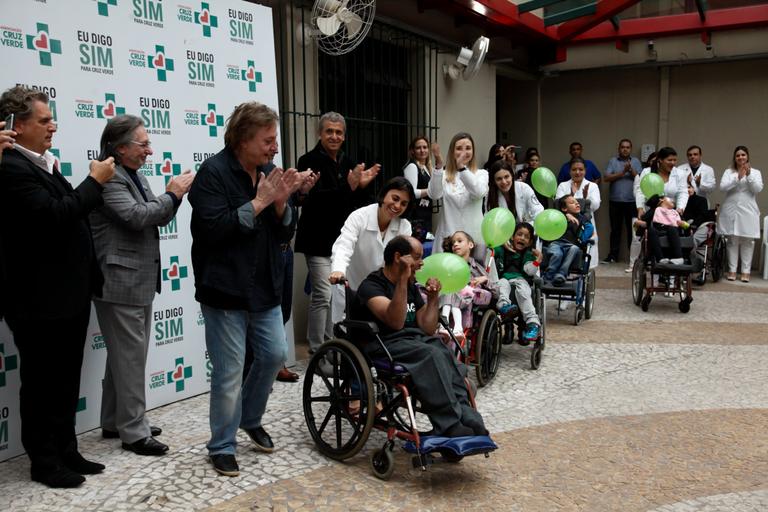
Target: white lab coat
column 527, row 205
column 739, row 214
column 593, row 194
column 462, row 208
column 676, row 188
column 708, row 180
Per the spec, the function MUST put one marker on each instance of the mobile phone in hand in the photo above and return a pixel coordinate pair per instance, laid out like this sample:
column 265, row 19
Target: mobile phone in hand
column 9, row 122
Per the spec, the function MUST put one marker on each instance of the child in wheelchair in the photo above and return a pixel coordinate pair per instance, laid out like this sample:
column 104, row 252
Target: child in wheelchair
column 561, row 253
column 662, row 219
column 457, row 307
column 517, row 262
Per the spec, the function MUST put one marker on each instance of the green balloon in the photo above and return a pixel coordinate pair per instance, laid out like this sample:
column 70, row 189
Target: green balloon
column 550, row 224
column 448, row 268
column 544, row 182
column 652, row 185
column 497, row 227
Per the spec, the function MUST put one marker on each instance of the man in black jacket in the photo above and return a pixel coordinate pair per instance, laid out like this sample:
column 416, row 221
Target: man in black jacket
column 51, row 273
column 240, row 218
column 340, row 189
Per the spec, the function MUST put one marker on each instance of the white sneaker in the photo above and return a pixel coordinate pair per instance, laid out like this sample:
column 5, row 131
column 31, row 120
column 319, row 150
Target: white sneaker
column 628, row 270
column 664, row 260
column 677, row 261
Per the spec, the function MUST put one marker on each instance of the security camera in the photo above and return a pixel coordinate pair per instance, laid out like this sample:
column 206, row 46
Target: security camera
column 650, row 45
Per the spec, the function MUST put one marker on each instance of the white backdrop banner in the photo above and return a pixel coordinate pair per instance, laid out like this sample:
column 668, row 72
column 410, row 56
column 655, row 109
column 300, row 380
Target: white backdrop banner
column 181, row 67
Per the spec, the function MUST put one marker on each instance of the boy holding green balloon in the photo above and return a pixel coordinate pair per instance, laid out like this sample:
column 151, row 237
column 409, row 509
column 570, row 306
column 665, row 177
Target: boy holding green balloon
column 566, row 249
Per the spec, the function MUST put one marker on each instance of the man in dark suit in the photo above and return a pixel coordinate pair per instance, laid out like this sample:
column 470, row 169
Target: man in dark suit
column 127, row 246
column 51, row 273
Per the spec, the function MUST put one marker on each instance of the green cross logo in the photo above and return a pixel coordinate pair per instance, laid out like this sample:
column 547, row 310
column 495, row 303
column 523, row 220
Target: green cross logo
column 7, row 363
column 65, row 168
column 167, row 168
column 104, row 5
column 109, row 109
column 175, row 273
column 179, row 374
column 212, row 120
column 206, row 19
column 81, row 405
column 250, row 75
column 160, row 62
column 43, row 44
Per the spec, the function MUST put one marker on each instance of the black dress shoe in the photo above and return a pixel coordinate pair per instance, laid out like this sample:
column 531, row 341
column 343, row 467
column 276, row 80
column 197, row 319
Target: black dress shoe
column 261, row 439
column 58, row 478
column 147, row 446
column 79, row 464
column 111, row 434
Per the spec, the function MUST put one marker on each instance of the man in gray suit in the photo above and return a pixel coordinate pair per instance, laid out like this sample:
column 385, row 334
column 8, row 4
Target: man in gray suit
column 127, row 245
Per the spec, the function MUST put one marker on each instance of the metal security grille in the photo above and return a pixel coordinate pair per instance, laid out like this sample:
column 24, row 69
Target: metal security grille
column 386, row 89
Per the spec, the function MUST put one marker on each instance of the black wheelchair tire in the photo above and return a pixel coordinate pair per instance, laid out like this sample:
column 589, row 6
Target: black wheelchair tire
column 719, row 259
column 536, row 356
column 487, row 347
column 589, row 299
column 638, row 280
column 382, row 463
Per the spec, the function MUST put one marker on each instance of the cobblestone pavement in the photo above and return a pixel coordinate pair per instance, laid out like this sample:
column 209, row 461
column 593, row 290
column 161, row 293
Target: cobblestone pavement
column 630, row 411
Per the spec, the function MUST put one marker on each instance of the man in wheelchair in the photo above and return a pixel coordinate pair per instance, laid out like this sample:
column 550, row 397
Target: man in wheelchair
column 389, row 298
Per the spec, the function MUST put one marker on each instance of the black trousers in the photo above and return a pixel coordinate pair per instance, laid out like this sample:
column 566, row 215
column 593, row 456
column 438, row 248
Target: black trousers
column 621, row 214
column 672, row 233
column 51, row 354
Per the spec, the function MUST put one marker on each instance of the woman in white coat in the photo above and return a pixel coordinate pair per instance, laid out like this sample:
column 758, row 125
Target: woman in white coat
column 359, row 249
column 739, row 217
column 582, row 188
column 675, row 181
column 505, row 192
column 462, row 187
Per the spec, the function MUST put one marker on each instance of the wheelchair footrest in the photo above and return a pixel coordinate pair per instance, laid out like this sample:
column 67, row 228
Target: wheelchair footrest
column 463, row 446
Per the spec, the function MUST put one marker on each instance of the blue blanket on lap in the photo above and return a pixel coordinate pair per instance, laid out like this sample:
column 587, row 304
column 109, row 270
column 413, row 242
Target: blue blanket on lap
column 468, row 445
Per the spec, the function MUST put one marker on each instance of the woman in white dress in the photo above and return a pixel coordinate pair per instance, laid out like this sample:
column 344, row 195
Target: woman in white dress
column 739, row 217
column 462, row 187
column 504, row 191
column 582, row 188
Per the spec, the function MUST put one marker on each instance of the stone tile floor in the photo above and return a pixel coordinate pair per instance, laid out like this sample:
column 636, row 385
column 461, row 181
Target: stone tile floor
column 655, row 411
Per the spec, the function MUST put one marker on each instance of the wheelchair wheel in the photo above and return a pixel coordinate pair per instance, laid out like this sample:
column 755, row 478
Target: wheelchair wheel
column 488, row 347
column 589, row 296
column 383, row 463
column 337, row 379
column 685, row 305
column 638, row 280
column 578, row 314
column 719, row 259
column 536, row 355
column 645, row 302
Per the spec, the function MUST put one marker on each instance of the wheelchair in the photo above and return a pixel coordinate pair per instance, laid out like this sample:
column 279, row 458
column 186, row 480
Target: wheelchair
column 672, row 279
column 346, row 394
column 513, row 320
column 715, row 255
column 579, row 286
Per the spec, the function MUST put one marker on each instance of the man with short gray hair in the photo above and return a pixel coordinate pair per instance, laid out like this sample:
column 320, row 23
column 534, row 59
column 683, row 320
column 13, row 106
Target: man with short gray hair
column 340, row 189
column 127, row 242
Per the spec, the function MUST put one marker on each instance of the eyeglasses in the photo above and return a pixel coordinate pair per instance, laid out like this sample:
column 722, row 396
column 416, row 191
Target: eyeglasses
column 144, row 145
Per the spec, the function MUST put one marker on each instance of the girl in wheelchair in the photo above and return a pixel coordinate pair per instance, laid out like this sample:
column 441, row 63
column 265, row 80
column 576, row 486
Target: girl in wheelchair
column 457, row 307
column 517, row 262
column 662, row 219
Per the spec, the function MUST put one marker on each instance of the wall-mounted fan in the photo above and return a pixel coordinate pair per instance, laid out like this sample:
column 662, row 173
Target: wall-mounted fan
column 341, row 24
column 469, row 61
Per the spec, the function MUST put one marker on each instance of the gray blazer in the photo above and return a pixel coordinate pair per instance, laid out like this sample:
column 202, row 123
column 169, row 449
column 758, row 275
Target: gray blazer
column 127, row 241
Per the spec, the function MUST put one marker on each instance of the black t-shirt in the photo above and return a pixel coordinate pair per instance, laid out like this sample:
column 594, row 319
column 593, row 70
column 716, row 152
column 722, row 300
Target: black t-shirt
column 377, row 285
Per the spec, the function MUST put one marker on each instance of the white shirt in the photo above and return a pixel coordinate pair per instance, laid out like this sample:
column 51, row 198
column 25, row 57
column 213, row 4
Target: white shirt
column 676, row 188
column 359, row 249
column 44, row 161
column 739, row 214
column 462, row 208
column 527, row 205
column 708, row 180
column 411, row 173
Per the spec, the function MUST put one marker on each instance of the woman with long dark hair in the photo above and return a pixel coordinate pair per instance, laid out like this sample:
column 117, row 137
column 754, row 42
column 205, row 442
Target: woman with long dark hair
column 504, row 191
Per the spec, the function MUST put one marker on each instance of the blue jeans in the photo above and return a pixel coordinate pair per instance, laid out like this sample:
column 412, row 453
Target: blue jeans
column 234, row 402
column 561, row 257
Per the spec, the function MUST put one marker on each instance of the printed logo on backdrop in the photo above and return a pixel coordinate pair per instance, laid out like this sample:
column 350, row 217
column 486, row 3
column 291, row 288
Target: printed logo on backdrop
column 203, row 17
column 12, row 37
column 156, row 114
column 148, row 12
column 91, row 110
column 7, row 364
column 81, row 404
column 212, row 120
column 200, row 68
column 167, row 168
column 65, row 168
column 175, row 376
column 45, row 46
column 199, row 158
column 104, row 5
column 169, row 326
column 95, row 52
column 208, row 368
column 175, row 273
column 240, row 26
column 170, row 231
column 4, row 429
column 160, row 63
column 247, row 74
column 98, row 342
